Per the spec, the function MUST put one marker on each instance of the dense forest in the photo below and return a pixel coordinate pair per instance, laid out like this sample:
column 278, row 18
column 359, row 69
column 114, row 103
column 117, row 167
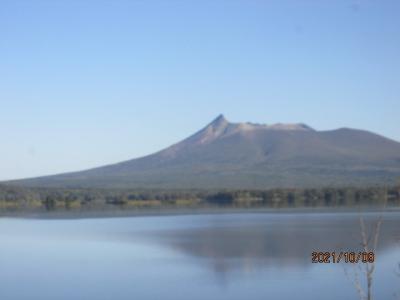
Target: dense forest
column 19, row 199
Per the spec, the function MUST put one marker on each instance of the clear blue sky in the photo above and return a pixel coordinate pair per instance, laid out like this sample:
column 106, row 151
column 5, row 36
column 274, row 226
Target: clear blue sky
column 85, row 83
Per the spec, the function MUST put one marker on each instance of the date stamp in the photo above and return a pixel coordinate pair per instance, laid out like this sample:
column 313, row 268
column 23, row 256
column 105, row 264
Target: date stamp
column 346, row 257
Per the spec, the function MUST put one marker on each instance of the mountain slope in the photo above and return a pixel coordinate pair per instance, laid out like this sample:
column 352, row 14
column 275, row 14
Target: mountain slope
column 246, row 155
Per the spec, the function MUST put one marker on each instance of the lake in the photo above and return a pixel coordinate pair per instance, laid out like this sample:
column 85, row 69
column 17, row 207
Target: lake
column 201, row 256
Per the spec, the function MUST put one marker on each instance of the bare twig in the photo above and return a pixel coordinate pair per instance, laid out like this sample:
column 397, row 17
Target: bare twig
column 367, row 247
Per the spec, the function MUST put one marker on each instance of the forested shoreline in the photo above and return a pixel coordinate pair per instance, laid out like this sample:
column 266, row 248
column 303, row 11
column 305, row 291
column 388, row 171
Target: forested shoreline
column 20, row 199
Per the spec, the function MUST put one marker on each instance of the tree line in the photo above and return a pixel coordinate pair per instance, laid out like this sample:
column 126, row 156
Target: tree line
column 14, row 198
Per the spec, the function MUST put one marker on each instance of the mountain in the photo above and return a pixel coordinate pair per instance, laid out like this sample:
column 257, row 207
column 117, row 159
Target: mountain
column 248, row 155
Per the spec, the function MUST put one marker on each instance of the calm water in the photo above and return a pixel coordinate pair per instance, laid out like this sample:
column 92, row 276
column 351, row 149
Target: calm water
column 216, row 256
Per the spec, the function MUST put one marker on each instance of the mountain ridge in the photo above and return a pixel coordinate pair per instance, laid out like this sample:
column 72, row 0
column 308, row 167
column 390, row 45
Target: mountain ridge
column 249, row 155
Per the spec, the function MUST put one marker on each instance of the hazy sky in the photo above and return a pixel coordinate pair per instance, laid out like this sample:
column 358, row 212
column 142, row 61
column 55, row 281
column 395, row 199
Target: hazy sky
column 85, row 83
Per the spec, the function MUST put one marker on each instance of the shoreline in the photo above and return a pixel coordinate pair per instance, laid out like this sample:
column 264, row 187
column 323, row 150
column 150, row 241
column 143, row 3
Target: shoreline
column 144, row 212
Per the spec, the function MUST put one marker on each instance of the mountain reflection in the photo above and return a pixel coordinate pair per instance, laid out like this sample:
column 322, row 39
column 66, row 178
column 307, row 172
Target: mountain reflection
column 276, row 241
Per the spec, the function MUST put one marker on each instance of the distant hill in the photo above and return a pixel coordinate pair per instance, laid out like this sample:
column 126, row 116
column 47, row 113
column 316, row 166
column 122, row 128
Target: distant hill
column 252, row 156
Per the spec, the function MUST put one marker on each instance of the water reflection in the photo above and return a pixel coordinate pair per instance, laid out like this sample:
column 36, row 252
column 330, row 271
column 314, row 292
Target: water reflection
column 266, row 241
column 251, row 256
